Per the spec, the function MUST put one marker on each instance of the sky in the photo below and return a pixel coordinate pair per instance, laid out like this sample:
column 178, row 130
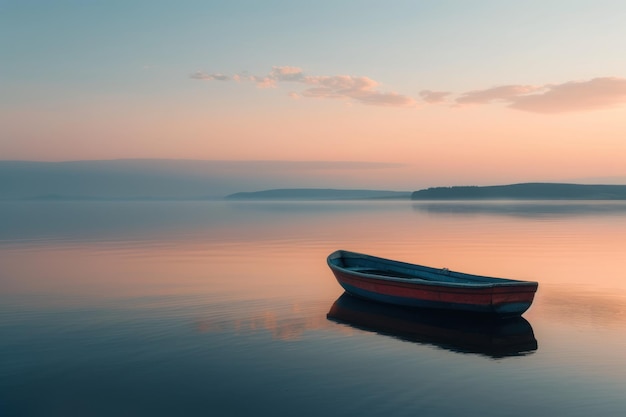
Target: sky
column 444, row 92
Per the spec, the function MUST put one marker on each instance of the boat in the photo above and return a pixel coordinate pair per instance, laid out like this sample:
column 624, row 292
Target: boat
column 411, row 285
column 453, row 331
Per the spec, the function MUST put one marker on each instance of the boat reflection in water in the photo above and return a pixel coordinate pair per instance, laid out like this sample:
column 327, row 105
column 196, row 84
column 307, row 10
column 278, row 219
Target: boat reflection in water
column 457, row 332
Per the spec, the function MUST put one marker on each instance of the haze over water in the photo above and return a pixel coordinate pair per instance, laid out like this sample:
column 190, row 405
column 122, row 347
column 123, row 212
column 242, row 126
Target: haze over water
column 220, row 308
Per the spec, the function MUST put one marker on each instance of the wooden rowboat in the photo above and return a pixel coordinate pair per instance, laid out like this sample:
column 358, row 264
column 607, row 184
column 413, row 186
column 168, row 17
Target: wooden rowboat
column 411, row 285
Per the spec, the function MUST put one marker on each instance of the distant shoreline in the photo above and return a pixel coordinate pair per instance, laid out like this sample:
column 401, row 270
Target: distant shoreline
column 513, row 192
column 525, row 191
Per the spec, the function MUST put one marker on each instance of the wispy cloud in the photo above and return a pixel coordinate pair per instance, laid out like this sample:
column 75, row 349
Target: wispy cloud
column 598, row 93
column 347, row 87
column 571, row 96
column 263, row 82
column 287, row 73
column 504, row 93
column 594, row 94
column 360, row 89
column 199, row 75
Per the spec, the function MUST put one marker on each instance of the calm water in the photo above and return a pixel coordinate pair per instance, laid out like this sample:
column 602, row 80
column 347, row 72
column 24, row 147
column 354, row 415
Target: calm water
column 228, row 309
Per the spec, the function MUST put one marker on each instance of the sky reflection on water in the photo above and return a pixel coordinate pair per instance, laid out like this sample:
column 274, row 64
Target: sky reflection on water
column 169, row 308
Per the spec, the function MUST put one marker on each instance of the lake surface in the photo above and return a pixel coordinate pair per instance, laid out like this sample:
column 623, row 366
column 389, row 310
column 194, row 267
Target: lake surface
column 228, row 309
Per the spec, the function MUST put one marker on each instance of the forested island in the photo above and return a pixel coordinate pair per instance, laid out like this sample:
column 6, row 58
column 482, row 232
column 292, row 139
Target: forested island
column 526, row 191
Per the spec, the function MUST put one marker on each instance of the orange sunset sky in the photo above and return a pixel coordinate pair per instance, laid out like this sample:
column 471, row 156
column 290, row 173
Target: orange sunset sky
column 454, row 92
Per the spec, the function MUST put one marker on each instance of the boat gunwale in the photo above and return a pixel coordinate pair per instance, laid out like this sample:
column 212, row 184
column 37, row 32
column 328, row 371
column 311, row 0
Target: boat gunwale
column 486, row 281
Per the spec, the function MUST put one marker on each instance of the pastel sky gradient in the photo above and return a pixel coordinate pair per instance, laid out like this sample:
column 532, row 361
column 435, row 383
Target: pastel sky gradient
column 457, row 92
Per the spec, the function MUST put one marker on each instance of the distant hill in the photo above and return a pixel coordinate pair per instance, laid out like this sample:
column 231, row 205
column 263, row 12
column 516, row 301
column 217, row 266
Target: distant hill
column 319, row 194
column 527, row 191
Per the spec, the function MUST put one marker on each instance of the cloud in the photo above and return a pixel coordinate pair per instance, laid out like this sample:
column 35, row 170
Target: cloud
column 434, row 97
column 386, row 99
column 360, row 89
column 286, row 73
column 597, row 93
column 501, row 93
column 347, row 87
column 199, row 75
column 263, row 82
column 594, row 94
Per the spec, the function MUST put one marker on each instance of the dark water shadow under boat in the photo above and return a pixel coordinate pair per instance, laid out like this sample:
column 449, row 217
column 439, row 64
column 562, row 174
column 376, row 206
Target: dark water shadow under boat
column 456, row 332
